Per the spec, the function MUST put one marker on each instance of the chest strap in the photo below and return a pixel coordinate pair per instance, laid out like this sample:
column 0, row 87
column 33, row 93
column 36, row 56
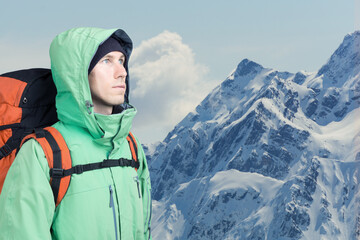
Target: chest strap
column 79, row 169
column 58, row 156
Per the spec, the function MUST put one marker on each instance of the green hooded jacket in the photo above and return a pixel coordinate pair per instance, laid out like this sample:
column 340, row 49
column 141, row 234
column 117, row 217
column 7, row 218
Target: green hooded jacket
column 110, row 203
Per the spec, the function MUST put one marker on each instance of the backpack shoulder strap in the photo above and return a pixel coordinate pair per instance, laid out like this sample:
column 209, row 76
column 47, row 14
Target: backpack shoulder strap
column 133, row 147
column 58, row 156
column 10, row 145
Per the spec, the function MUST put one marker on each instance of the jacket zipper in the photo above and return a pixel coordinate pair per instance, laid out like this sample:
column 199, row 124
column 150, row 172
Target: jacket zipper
column 136, row 179
column 149, row 214
column 112, row 205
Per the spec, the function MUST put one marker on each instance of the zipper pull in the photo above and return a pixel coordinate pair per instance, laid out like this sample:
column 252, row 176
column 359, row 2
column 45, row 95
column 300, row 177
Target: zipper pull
column 111, row 197
column 112, row 205
column 136, row 179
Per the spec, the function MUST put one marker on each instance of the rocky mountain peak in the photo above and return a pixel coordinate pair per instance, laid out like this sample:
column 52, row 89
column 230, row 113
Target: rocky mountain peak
column 266, row 155
column 247, row 67
column 343, row 63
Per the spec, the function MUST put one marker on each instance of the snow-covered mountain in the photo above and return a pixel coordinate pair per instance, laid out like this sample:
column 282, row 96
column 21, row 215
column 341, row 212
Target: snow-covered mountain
column 266, row 155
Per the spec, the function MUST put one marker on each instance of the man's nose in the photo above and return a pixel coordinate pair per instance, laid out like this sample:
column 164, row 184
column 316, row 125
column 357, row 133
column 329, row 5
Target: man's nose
column 120, row 71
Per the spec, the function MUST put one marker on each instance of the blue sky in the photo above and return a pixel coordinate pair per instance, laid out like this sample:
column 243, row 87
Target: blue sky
column 202, row 42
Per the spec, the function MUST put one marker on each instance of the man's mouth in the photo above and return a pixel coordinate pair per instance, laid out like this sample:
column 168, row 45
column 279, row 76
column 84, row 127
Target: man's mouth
column 120, row 86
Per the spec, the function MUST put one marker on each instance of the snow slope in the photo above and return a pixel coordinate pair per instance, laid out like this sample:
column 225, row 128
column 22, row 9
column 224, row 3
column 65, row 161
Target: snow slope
column 266, row 155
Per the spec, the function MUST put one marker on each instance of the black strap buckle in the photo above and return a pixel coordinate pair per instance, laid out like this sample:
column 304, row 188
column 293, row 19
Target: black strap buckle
column 121, row 162
column 56, row 172
column 4, row 151
column 135, row 164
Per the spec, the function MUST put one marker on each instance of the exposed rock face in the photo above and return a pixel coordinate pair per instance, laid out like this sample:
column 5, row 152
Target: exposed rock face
column 266, row 155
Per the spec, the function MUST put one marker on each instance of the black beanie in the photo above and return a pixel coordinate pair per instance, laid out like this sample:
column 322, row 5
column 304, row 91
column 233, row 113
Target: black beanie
column 110, row 45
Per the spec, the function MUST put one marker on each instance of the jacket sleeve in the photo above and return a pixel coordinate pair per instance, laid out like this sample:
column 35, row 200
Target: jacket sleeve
column 144, row 176
column 26, row 201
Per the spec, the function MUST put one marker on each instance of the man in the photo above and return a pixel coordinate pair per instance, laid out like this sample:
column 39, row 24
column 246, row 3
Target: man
column 90, row 71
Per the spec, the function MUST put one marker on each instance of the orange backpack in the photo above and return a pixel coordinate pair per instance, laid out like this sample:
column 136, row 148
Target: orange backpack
column 27, row 101
column 27, row 109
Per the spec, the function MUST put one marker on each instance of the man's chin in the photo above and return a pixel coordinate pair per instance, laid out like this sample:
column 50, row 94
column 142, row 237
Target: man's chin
column 119, row 102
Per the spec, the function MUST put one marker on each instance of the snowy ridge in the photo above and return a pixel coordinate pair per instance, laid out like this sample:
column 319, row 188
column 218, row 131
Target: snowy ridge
column 266, row 155
column 209, row 194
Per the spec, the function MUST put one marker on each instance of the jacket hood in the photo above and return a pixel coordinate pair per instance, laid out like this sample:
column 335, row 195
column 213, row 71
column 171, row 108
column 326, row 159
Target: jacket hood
column 71, row 53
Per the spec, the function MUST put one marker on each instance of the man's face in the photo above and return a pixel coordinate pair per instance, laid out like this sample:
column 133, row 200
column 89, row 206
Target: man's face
column 107, row 82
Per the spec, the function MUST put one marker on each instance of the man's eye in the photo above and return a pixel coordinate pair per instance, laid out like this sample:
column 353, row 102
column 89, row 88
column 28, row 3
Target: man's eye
column 106, row 60
column 121, row 61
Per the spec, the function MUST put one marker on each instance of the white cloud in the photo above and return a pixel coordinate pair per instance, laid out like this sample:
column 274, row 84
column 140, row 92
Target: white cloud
column 166, row 84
